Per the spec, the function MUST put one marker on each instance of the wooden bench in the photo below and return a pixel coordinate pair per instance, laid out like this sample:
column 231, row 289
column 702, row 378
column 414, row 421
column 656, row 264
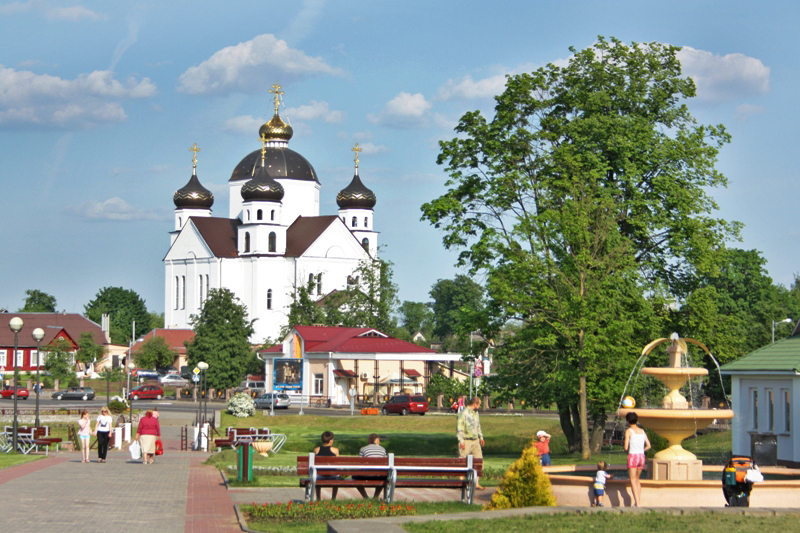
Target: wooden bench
column 30, row 438
column 403, row 472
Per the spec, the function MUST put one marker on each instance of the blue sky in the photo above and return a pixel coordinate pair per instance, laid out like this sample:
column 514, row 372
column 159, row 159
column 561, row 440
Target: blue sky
column 100, row 102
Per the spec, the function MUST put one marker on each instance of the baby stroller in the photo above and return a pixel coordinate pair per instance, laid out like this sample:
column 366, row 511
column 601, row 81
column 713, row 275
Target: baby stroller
column 734, row 485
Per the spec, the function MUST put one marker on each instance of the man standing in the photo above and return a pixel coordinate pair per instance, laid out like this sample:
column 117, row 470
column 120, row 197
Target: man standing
column 470, row 436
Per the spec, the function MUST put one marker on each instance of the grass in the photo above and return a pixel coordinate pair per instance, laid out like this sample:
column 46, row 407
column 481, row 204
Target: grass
column 321, row 527
column 653, row 522
column 13, row 459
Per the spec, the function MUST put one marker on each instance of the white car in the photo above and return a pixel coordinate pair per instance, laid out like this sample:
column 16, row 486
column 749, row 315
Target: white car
column 173, row 379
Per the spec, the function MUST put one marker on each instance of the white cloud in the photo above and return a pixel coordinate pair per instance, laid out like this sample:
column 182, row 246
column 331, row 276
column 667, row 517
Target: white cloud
column 116, row 209
column 71, row 13
column 745, row 111
column 405, row 110
column 468, row 88
column 247, row 124
column 29, row 98
column 252, row 66
column 127, row 41
column 303, row 24
column 371, row 148
column 314, row 111
column 728, row 77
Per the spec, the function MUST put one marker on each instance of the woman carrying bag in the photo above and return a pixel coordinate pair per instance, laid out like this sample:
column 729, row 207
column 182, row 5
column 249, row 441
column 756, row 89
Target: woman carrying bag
column 148, row 431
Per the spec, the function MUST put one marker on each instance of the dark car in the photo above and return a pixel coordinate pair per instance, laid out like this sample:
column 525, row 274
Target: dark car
column 404, row 404
column 75, row 393
column 8, row 392
column 146, row 392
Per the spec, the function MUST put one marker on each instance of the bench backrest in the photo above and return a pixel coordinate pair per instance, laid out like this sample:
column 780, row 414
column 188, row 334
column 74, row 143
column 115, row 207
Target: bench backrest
column 406, row 466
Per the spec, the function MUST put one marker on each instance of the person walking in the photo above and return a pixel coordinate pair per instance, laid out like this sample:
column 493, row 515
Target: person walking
column 636, row 443
column 327, row 450
column 372, row 449
column 468, row 430
column 148, row 431
column 102, row 430
column 85, row 433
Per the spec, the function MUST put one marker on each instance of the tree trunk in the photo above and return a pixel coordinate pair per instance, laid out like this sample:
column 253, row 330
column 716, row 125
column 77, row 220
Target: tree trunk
column 586, row 453
column 567, row 426
column 598, row 430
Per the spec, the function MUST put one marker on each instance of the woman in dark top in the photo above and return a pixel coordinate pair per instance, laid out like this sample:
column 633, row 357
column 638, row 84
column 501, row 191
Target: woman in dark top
column 327, row 450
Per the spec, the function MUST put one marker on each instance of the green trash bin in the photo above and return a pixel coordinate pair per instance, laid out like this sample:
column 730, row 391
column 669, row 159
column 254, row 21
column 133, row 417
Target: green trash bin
column 245, row 470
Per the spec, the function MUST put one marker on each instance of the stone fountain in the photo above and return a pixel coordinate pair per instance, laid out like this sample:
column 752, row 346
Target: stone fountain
column 676, row 420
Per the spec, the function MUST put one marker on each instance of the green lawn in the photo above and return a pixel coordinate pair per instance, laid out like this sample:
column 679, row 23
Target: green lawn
column 653, row 522
column 13, row 459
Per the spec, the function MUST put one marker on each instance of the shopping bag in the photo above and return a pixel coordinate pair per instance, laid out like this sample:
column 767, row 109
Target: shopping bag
column 754, row 476
column 159, row 447
column 135, row 449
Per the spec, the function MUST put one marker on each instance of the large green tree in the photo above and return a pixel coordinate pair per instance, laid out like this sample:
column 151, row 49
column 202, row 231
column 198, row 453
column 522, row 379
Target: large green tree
column 155, row 353
column 37, row 301
column 586, row 192
column 124, row 307
column 59, row 360
column 88, row 351
column 455, row 303
column 222, row 331
column 416, row 316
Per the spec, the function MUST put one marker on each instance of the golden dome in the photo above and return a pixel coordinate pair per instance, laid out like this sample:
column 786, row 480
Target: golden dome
column 276, row 129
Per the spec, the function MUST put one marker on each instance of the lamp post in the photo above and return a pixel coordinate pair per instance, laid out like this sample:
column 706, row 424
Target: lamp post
column 16, row 326
column 131, row 366
column 784, row 321
column 203, row 366
column 38, row 335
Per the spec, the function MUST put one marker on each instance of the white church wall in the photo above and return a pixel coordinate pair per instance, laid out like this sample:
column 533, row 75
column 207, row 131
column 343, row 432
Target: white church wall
column 300, row 198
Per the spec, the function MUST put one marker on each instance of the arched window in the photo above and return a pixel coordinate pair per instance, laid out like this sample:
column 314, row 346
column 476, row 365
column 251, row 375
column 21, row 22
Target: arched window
column 183, row 292
column 177, row 291
column 269, row 299
column 365, row 244
column 201, row 290
column 311, row 284
column 273, row 242
column 319, row 283
column 248, row 215
column 246, row 242
column 366, row 222
column 272, row 215
column 207, row 285
column 259, row 214
column 180, row 224
column 343, row 220
column 355, row 222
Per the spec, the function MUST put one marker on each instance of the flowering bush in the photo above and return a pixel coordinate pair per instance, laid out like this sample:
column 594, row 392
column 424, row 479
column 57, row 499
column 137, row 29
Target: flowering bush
column 322, row 511
column 241, row 405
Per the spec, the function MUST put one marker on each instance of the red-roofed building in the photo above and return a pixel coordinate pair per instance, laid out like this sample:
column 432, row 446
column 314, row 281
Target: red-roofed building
column 326, row 362
column 175, row 340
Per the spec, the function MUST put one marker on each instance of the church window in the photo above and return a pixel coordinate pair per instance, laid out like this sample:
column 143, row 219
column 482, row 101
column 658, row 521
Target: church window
column 311, row 284
column 180, row 224
column 319, row 283
column 183, row 292
column 343, row 220
column 207, row 286
column 272, row 215
column 201, row 289
column 259, row 214
column 177, row 291
column 248, row 215
column 355, row 222
column 269, row 299
column 365, row 244
column 273, row 242
column 366, row 222
column 246, row 242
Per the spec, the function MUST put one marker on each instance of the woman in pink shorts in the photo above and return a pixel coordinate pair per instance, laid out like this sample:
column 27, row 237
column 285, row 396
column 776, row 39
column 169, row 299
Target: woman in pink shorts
column 636, row 443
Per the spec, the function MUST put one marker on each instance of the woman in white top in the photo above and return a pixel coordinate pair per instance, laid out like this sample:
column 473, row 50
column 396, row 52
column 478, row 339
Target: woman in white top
column 102, row 429
column 636, row 443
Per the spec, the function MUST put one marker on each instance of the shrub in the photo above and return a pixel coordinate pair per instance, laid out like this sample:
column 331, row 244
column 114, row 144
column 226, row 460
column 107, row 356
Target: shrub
column 241, row 405
column 117, row 407
column 47, row 382
column 326, row 510
column 657, row 443
column 524, row 485
column 73, row 381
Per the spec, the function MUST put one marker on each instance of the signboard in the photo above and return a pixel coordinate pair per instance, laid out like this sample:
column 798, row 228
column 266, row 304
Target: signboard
column 196, row 378
column 288, row 375
column 196, row 371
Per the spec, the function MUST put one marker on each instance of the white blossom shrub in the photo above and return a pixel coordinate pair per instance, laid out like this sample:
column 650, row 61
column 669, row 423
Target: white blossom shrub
column 241, row 405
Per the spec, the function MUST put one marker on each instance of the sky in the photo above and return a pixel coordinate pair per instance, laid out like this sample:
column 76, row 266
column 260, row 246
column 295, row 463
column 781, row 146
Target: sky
column 101, row 101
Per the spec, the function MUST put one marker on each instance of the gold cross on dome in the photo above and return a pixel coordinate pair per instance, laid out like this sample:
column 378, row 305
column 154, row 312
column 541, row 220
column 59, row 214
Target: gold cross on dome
column 194, row 149
column 357, row 150
column 263, row 147
column 276, row 90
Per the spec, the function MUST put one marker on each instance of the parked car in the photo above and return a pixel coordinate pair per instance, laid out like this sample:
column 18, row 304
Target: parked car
column 254, row 388
column 282, row 400
column 8, row 392
column 146, row 392
column 145, row 375
column 404, row 404
column 174, row 380
column 75, row 393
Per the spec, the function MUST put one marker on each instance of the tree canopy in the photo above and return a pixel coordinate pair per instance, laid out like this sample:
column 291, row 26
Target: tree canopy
column 455, row 302
column 124, row 307
column 88, row 351
column 59, row 360
column 155, row 353
column 222, row 331
column 37, row 301
column 584, row 200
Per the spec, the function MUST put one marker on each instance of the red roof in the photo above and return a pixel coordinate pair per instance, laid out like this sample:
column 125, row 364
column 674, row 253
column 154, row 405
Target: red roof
column 52, row 324
column 354, row 340
column 174, row 337
column 304, row 231
column 410, row 372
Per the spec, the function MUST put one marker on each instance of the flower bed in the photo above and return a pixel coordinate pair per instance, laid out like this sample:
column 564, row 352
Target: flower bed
column 322, row 511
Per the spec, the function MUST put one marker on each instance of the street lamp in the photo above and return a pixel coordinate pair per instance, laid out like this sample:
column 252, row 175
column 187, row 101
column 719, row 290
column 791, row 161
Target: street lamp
column 203, row 366
column 38, row 335
column 16, row 326
column 131, row 366
column 784, row 321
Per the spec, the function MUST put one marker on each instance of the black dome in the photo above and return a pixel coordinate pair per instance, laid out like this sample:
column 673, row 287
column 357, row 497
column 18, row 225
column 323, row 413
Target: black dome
column 356, row 195
column 262, row 187
column 280, row 163
column 193, row 195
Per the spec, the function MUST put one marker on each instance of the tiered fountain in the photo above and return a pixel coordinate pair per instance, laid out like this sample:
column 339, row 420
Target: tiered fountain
column 676, row 420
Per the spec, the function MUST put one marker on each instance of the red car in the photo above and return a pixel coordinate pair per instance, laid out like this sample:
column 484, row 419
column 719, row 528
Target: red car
column 146, row 392
column 8, row 392
column 404, row 404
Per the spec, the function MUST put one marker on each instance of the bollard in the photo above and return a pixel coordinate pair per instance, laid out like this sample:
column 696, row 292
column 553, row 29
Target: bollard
column 245, row 463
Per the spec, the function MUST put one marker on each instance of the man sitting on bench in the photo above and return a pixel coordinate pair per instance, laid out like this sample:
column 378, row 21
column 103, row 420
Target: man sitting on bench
column 372, row 449
column 327, row 450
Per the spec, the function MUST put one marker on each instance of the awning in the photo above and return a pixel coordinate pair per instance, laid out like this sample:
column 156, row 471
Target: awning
column 411, row 373
column 344, row 373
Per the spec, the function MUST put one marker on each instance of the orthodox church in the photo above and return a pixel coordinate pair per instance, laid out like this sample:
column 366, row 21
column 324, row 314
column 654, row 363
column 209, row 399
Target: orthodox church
column 273, row 239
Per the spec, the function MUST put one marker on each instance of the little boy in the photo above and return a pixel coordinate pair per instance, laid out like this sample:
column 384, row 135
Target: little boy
column 600, row 483
column 543, row 447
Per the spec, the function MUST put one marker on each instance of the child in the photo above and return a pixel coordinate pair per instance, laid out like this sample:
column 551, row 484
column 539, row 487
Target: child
column 600, row 483
column 543, row 446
